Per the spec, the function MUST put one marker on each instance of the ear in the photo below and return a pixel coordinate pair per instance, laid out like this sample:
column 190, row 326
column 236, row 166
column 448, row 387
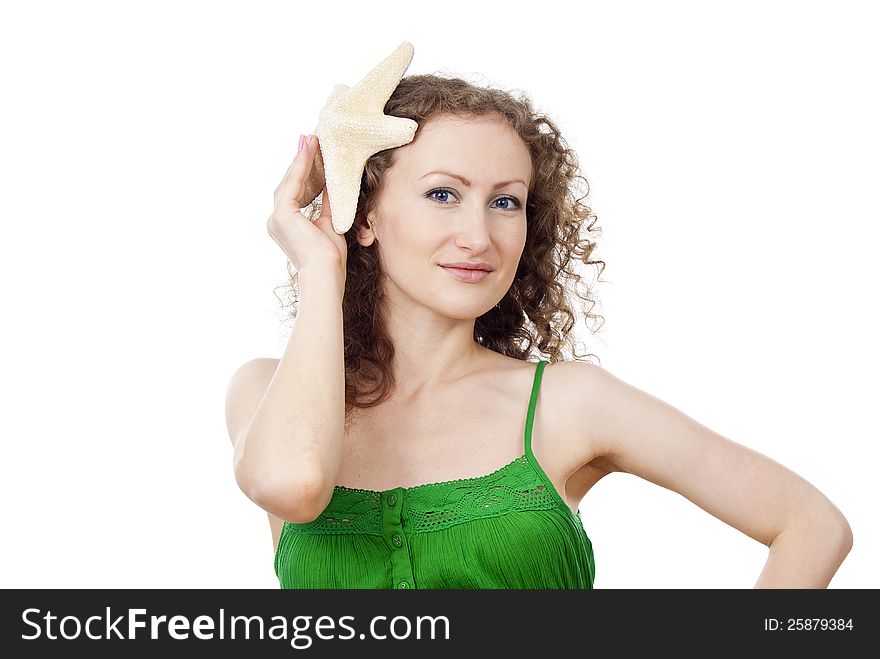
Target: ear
column 365, row 233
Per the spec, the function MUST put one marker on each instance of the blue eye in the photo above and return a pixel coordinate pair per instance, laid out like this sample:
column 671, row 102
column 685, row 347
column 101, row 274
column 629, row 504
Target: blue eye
column 513, row 199
column 447, row 191
column 441, row 190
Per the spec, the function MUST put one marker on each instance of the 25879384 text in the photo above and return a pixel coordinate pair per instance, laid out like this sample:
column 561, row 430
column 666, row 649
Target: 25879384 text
column 808, row 624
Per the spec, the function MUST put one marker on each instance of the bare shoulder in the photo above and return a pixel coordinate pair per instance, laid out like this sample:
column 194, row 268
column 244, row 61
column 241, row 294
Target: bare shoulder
column 245, row 390
column 253, row 372
column 577, row 392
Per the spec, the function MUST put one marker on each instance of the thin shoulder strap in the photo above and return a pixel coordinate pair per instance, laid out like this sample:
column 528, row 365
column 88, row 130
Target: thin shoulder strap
column 533, row 401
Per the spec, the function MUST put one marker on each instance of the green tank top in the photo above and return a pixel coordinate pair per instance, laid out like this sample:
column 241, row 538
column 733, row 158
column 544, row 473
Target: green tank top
column 507, row 529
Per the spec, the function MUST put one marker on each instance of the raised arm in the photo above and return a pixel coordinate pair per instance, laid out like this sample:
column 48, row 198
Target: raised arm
column 286, row 422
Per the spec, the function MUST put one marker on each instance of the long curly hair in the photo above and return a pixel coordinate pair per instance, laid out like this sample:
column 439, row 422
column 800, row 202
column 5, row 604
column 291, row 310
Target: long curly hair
column 536, row 311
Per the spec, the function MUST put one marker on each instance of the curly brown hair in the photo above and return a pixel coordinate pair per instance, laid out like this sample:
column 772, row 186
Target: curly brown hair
column 535, row 311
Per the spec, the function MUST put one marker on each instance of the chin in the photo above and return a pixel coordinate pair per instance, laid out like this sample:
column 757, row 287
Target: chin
column 461, row 310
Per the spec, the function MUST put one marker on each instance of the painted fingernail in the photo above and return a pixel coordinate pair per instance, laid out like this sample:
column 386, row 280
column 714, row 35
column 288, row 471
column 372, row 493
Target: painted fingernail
column 309, row 141
column 302, row 139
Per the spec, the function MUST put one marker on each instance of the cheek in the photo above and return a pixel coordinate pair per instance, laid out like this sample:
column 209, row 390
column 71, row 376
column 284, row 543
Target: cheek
column 405, row 254
column 515, row 241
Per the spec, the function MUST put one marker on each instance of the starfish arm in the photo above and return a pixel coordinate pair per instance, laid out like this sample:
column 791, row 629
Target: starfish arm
column 374, row 90
column 352, row 126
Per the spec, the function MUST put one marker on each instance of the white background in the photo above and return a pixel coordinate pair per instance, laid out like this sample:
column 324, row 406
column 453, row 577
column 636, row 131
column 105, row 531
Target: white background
column 732, row 151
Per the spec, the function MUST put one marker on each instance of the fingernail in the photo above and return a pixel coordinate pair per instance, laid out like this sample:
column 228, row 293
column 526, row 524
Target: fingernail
column 309, row 141
column 302, row 139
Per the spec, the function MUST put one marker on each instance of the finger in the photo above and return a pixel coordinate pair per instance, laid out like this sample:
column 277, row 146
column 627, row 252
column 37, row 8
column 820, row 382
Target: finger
column 297, row 158
column 291, row 186
column 295, row 172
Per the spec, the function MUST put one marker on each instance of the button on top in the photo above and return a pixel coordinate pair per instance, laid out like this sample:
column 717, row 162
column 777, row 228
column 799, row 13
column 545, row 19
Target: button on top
column 392, row 499
column 395, row 538
column 403, row 584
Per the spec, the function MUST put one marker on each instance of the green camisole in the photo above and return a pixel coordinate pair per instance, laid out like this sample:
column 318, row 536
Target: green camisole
column 507, row 529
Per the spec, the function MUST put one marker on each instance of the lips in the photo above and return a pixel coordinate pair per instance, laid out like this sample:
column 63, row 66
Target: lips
column 472, row 275
column 464, row 265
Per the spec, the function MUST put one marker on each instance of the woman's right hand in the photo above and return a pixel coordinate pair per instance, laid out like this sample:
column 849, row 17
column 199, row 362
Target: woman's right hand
column 309, row 245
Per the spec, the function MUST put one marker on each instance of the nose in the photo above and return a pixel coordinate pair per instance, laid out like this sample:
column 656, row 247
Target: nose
column 472, row 229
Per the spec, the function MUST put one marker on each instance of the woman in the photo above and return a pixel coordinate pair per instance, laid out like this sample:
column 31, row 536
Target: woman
column 404, row 439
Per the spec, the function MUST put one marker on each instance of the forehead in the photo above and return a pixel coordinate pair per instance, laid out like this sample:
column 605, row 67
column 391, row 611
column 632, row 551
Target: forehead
column 477, row 148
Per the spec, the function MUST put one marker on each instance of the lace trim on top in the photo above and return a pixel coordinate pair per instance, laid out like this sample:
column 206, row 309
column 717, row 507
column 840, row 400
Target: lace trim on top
column 434, row 506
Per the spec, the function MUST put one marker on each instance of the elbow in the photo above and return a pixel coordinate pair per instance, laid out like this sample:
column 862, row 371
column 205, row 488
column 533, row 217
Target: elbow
column 834, row 533
column 838, row 531
column 845, row 537
column 825, row 527
column 295, row 500
column 299, row 503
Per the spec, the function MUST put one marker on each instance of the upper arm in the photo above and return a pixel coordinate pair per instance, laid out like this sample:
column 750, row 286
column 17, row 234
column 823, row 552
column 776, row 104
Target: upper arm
column 243, row 396
column 640, row 434
column 244, row 393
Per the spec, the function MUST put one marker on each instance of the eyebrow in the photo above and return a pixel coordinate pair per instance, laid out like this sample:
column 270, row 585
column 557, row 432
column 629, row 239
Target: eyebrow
column 468, row 183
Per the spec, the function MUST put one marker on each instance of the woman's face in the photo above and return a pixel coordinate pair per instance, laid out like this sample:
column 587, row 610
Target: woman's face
column 423, row 218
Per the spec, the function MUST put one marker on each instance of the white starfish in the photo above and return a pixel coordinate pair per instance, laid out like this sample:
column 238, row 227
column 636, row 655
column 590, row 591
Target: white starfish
column 351, row 128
